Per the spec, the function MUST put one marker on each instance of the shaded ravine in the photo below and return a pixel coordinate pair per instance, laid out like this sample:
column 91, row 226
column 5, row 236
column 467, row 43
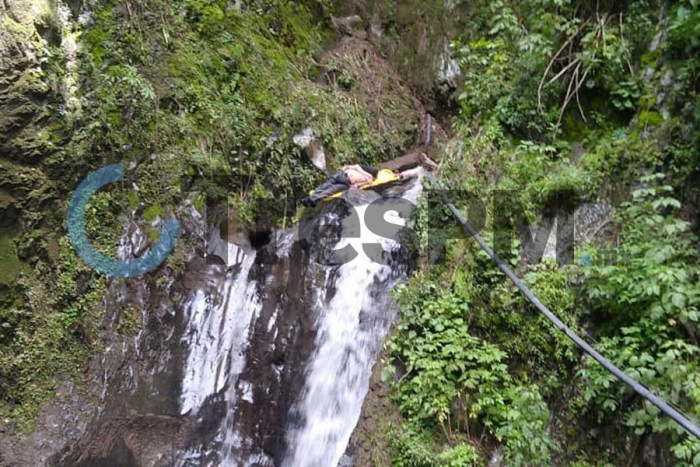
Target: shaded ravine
column 281, row 344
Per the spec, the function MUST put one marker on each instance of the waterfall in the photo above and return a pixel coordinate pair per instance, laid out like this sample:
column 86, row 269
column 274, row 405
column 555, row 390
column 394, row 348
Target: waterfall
column 308, row 403
column 350, row 333
column 352, row 328
column 218, row 332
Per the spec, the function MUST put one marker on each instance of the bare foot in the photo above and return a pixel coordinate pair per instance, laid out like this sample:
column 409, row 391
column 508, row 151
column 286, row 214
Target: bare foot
column 428, row 162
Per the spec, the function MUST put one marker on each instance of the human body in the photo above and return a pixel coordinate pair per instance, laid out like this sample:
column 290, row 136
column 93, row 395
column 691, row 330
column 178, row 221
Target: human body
column 356, row 176
column 359, row 175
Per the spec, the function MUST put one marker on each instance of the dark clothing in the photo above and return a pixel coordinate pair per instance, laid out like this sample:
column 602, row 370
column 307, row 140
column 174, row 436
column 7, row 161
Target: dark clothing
column 337, row 182
column 373, row 171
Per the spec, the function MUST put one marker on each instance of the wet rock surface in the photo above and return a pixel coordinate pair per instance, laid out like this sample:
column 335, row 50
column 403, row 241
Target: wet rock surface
column 139, row 420
column 130, row 413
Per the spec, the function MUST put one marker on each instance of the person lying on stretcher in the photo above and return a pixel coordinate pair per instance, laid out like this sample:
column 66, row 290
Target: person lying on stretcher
column 355, row 176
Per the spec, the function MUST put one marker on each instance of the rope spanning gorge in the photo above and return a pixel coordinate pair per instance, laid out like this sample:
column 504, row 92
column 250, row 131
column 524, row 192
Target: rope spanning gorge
column 661, row 404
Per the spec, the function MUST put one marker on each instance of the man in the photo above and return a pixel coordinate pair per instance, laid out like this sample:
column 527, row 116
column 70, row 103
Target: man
column 359, row 175
column 356, row 176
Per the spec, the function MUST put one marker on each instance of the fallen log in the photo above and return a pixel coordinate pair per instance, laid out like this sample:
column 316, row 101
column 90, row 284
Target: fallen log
column 410, row 161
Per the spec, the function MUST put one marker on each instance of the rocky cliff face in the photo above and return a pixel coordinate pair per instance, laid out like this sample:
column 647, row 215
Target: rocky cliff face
column 28, row 199
column 125, row 407
column 222, row 370
column 24, row 187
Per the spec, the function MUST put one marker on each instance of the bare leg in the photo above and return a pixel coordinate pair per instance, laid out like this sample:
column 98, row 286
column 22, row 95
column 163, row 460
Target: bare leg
column 411, row 173
column 428, row 162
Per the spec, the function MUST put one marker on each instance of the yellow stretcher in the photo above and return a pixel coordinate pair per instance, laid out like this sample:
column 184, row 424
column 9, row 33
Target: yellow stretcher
column 383, row 177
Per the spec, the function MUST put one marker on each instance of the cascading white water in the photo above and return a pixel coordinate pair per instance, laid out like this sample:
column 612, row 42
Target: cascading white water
column 217, row 332
column 351, row 327
column 349, row 338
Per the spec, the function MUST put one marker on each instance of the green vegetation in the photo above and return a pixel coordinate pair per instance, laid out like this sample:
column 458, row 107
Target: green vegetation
column 216, row 93
column 198, row 98
column 563, row 102
column 49, row 323
column 560, row 101
column 9, row 262
column 130, row 322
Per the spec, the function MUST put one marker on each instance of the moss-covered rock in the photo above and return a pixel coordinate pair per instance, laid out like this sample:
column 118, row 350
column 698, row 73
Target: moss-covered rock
column 9, row 262
column 192, row 97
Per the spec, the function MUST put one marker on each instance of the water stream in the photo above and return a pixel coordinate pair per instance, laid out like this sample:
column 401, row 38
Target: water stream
column 349, row 311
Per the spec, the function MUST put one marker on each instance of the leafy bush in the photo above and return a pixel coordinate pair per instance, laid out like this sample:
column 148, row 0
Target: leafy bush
column 650, row 306
column 451, row 379
column 562, row 102
column 463, row 455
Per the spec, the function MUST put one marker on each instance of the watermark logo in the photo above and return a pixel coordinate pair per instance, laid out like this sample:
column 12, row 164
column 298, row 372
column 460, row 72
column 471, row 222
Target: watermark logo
column 319, row 237
column 508, row 225
column 88, row 253
column 605, row 257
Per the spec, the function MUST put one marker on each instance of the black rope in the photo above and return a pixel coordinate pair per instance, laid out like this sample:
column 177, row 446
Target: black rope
column 429, row 132
column 665, row 407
